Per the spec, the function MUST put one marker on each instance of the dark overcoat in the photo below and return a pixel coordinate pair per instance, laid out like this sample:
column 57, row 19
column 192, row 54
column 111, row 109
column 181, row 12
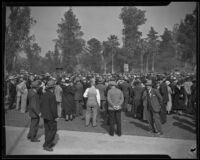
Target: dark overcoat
column 48, row 105
column 180, row 98
column 68, row 102
column 78, row 92
column 34, row 104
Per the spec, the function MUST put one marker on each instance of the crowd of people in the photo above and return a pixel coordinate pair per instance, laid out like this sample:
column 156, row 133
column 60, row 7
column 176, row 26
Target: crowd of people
column 149, row 97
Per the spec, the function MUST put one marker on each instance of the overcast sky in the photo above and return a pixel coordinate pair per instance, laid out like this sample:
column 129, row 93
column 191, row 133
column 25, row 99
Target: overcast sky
column 101, row 22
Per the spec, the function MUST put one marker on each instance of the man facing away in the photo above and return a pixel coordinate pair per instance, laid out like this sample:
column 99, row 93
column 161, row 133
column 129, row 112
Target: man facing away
column 50, row 115
column 115, row 99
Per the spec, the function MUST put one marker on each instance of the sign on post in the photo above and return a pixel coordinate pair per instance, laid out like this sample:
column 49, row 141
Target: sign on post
column 126, row 68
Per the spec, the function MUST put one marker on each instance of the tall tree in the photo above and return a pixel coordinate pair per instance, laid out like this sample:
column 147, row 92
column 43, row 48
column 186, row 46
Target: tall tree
column 187, row 38
column 166, row 59
column 33, row 51
column 153, row 42
column 132, row 18
column 17, row 32
column 113, row 44
column 69, row 39
column 56, row 56
column 144, row 51
column 94, row 47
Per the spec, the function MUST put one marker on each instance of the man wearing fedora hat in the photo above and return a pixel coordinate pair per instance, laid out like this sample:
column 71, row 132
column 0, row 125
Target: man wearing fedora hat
column 152, row 101
column 49, row 114
column 12, row 91
column 34, row 111
column 115, row 100
column 78, row 97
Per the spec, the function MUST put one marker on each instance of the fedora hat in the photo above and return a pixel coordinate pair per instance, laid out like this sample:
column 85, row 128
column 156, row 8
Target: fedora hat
column 50, row 84
column 149, row 83
column 35, row 84
column 11, row 78
column 113, row 83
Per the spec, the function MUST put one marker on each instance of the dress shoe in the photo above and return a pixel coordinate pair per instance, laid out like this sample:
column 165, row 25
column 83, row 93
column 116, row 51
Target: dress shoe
column 94, row 126
column 52, row 145
column 111, row 134
column 48, row 149
column 119, row 134
column 159, row 133
column 35, row 140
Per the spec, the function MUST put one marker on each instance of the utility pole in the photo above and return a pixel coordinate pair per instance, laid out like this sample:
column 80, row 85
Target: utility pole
column 112, row 63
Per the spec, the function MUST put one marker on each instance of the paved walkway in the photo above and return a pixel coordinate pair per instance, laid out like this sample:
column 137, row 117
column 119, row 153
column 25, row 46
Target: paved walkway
column 75, row 142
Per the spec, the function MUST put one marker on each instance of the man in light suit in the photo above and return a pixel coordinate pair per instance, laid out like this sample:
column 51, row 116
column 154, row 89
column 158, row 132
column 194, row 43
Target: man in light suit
column 152, row 100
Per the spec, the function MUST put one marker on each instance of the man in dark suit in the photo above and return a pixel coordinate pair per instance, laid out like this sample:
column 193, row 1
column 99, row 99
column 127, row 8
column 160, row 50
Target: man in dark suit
column 152, row 100
column 34, row 111
column 164, row 93
column 137, row 100
column 126, row 89
column 49, row 114
column 12, row 92
column 78, row 97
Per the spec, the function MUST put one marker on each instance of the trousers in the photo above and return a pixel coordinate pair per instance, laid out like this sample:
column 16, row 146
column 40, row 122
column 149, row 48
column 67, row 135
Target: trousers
column 24, row 101
column 50, row 129
column 79, row 108
column 91, row 112
column 33, row 128
column 115, row 117
column 153, row 118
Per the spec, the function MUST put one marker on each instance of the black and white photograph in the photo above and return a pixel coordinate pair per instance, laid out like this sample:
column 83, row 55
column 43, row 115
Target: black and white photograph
column 100, row 80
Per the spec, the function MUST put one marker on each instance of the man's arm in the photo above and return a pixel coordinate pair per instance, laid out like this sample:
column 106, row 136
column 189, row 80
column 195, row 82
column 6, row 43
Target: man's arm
column 109, row 99
column 121, row 98
column 160, row 99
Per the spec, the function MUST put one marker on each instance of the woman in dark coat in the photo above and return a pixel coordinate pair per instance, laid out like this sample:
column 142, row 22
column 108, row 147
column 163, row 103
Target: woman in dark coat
column 137, row 101
column 68, row 103
column 180, row 98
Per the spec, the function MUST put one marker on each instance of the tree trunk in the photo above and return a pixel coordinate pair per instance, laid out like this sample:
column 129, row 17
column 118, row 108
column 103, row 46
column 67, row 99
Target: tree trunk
column 147, row 64
column 14, row 63
column 153, row 54
column 141, row 63
column 112, row 63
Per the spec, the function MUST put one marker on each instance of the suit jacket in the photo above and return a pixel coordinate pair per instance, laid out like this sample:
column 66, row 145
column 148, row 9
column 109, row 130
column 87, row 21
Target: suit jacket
column 12, row 90
column 137, row 92
column 78, row 92
column 164, row 92
column 102, row 90
column 115, row 97
column 48, row 106
column 156, row 100
column 125, row 87
column 34, row 104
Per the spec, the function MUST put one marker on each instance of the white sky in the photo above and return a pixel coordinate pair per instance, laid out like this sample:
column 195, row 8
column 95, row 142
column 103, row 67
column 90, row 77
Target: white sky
column 101, row 22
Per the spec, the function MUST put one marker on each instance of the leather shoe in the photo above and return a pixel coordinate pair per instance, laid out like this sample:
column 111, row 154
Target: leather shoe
column 35, row 140
column 48, row 149
column 159, row 133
